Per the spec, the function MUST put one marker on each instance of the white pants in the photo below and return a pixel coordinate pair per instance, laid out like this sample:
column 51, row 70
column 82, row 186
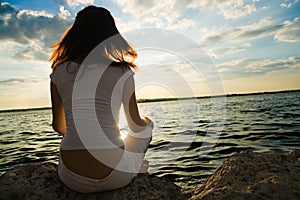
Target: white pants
column 127, row 169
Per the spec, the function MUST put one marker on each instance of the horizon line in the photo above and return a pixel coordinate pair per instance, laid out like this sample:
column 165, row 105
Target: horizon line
column 158, row 99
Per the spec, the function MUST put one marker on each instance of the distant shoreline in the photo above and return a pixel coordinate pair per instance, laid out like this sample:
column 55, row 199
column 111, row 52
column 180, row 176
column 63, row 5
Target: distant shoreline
column 215, row 96
column 167, row 99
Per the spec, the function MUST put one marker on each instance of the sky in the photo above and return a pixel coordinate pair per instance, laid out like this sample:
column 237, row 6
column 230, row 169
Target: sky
column 235, row 46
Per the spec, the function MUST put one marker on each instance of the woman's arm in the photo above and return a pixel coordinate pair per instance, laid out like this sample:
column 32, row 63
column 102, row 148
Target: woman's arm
column 58, row 112
column 135, row 122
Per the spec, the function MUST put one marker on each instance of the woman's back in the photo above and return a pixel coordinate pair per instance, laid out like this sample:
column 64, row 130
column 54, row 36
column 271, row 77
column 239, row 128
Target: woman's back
column 94, row 107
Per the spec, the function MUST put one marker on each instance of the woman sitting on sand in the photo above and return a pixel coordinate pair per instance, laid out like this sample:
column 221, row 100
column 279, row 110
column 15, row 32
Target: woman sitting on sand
column 93, row 157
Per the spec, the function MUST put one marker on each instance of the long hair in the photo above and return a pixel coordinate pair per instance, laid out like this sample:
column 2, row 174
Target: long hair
column 92, row 26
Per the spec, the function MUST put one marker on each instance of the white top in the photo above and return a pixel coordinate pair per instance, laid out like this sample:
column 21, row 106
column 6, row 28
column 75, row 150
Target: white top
column 92, row 96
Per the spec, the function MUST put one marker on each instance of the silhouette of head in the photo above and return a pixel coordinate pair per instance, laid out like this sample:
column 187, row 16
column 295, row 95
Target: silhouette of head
column 92, row 26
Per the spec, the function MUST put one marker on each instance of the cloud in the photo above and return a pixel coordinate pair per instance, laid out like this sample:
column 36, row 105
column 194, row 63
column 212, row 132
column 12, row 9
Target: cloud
column 33, row 13
column 74, row 3
column 237, row 10
column 168, row 13
column 287, row 4
column 257, row 66
column 290, row 32
column 222, row 51
column 230, row 9
column 32, row 52
column 16, row 81
column 284, row 5
column 181, row 24
column 285, row 31
column 138, row 7
column 155, row 13
column 36, row 31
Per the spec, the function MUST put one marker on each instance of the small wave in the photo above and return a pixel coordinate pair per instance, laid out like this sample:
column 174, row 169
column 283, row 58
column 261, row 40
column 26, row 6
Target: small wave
column 194, row 145
column 176, row 145
column 202, row 121
column 224, row 144
column 191, row 157
column 201, row 133
column 27, row 133
column 254, row 138
column 189, row 132
column 232, row 150
column 170, row 176
column 275, row 134
column 168, row 127
column 27, row 149
column 47, row 132
column 190, row 168
column 255, row 110
column 8, row 141
column 158, row 145
column 292, row 115
column 227, row 136
column 42, row 139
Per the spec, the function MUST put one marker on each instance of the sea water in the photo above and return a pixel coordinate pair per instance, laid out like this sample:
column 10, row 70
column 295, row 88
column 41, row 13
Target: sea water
column 191, row 137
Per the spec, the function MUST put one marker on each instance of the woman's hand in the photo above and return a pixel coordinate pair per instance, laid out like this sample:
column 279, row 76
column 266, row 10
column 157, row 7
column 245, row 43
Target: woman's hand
column 149, row 122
